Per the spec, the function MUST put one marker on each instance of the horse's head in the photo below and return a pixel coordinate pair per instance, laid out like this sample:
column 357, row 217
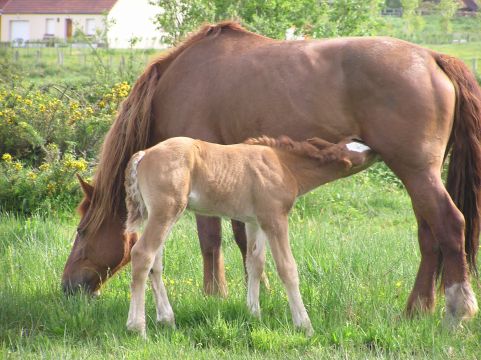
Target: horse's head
column 97, row 253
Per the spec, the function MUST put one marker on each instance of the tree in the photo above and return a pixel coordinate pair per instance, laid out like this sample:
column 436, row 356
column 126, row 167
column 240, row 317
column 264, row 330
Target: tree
column 412, row 21
column 447, row 9
column 316, row 18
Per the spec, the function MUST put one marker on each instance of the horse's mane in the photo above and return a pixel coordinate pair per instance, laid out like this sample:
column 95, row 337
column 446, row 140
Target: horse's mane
column 317, row 149
column 130, row 131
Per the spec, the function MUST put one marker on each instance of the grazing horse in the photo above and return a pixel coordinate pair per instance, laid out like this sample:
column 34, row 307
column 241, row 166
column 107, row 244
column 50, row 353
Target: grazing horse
column 411, row 105
column 256, row 183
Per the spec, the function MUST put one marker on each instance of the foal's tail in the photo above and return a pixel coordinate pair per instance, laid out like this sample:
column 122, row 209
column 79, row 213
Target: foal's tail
column 464, row 172
column 136, row 209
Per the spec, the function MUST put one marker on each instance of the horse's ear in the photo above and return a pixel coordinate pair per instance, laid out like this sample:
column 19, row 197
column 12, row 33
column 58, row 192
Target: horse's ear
column 86, row 187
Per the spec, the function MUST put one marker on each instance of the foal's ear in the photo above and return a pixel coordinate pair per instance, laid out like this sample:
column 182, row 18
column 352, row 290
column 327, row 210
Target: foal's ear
column 319, row 143
column 86, row 187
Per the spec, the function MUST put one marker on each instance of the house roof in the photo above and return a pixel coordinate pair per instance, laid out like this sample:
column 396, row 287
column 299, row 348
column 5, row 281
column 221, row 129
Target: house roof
column 2, row 4
column 56, row 6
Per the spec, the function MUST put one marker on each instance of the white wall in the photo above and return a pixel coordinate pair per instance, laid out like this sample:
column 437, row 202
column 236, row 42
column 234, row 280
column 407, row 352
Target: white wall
column 133, row 18
column 37, row 24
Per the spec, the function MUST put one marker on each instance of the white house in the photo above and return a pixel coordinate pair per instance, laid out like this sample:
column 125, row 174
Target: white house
column 33, row 20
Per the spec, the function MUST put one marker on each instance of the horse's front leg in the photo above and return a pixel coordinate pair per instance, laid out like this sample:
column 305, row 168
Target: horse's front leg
column 239, row 230
column 209, row 232
column 255, row 260
column 276, row 230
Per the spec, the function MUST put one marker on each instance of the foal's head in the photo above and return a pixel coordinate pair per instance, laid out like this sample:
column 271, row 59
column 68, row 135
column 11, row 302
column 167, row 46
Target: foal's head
column 98, row 251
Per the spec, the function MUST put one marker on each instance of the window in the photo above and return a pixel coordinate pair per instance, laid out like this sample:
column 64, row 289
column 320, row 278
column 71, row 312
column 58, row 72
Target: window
column 50, row 26
column 90, row 27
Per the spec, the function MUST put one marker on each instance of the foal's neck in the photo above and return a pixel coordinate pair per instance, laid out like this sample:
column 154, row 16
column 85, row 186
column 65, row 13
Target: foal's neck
column 309, row 173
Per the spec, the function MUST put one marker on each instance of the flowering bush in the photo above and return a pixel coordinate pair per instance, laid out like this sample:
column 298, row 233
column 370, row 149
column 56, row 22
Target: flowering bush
column 50, row 186
column 47, row 134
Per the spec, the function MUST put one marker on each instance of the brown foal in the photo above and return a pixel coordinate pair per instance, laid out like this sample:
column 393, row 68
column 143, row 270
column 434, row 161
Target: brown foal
column 256, row 183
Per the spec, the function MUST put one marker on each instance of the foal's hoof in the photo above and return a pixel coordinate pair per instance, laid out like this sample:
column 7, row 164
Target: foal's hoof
column 167, row 320
column 307, row 329
column 138, row 328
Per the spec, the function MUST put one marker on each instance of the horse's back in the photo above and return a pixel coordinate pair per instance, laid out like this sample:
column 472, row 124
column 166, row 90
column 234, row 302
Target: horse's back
column 327, row 88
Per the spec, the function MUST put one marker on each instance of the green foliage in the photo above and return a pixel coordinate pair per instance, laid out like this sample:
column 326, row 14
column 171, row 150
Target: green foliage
column 447, row 9
column 51, row 186
column 273, row 17
column 355, row 276
column 413, row 22
column 47, row 134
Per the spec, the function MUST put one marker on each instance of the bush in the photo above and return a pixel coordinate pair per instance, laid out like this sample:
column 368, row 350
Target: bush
column 47, row 134
column 50, row 186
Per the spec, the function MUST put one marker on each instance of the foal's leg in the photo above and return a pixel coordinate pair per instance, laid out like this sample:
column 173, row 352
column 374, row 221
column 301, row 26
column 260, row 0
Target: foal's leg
column 255, row 259
column 423, row 295
column 165, row 314
column 239, row 230
column 276, row 229
column 209, row 231
column 143, row 255
column 432, row 202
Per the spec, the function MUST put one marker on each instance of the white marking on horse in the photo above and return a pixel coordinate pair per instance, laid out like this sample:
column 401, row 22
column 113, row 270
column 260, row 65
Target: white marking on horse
column 357, row 147
column 460, row 302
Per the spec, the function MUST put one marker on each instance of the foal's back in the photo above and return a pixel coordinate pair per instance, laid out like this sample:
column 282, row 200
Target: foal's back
column 236, row 181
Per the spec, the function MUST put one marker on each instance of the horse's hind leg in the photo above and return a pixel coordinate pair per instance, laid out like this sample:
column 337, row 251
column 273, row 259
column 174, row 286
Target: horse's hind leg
column 423, row 296
column 210, row 238
column 165, row 314
column 143, row 254
column 433, row 205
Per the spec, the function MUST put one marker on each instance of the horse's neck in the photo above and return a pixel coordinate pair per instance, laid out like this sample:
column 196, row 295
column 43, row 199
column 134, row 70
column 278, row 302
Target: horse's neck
column 308, row 173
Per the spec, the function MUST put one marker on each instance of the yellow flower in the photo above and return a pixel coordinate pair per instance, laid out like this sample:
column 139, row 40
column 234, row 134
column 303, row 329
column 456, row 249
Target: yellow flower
column 7, row 158
column 18, row 166
column 398, row 284
column 28, row 102
column 44, row 167
column 32, row 175
column 42, row 108
column 101, row 104
column 50, row 187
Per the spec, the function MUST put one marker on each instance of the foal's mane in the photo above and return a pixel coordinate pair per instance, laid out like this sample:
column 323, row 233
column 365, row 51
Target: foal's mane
column 131, row 130
column 316, row 149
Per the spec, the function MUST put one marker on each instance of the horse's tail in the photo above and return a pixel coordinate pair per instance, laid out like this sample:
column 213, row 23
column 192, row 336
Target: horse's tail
column 464, row 171
column 136, row 209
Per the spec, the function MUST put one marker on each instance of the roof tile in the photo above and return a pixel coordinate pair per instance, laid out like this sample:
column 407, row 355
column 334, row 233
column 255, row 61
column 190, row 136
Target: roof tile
column 57, row 6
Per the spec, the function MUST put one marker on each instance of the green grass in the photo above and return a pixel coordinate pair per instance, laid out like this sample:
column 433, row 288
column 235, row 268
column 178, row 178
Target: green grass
column 356, row 249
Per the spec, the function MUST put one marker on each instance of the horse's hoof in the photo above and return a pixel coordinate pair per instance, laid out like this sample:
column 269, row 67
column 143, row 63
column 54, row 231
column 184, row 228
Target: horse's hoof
column 461, row 304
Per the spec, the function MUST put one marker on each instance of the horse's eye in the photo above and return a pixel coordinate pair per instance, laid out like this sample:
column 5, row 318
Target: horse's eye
column 80, row 231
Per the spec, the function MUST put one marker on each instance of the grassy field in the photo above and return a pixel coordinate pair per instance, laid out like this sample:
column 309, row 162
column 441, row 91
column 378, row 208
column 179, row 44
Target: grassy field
column 356, row 248
column 355, row 242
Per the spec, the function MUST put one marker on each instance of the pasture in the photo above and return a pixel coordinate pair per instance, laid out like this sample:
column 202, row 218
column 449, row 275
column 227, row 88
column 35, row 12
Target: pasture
column 356, row 248
column 355, row 243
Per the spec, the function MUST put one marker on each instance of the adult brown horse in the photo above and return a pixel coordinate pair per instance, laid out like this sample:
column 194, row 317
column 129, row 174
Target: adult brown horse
column 224, row 84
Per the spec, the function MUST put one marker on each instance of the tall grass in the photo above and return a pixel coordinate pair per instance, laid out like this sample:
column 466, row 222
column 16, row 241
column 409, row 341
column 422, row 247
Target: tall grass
column 356, row 248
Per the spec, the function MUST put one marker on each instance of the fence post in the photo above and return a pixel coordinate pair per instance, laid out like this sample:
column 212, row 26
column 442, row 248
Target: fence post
column 37, row 56
column 16, row 55
column 60, row 57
